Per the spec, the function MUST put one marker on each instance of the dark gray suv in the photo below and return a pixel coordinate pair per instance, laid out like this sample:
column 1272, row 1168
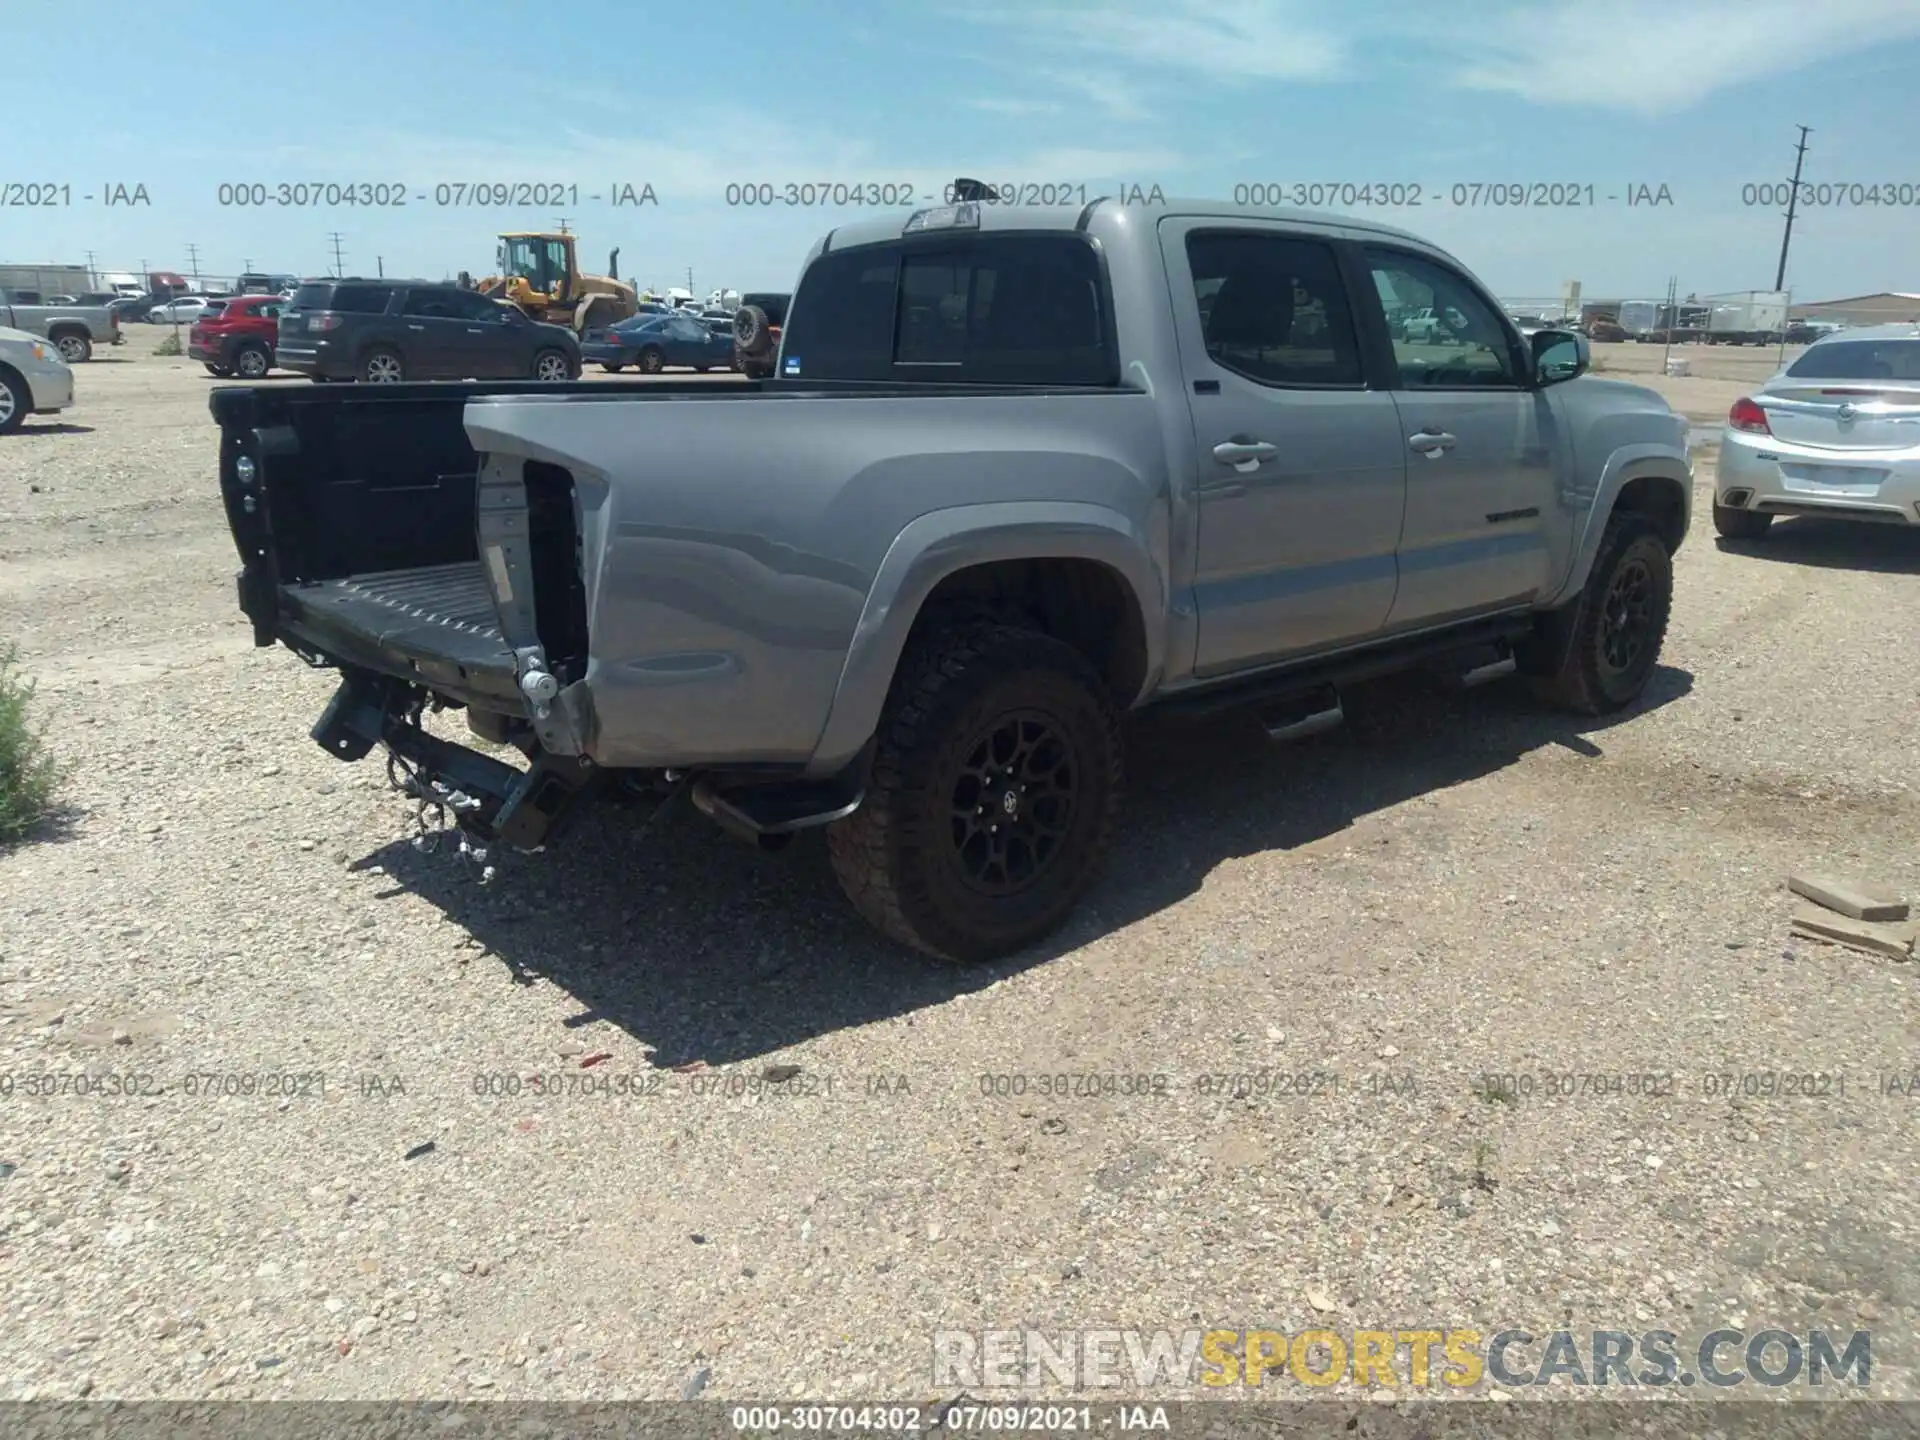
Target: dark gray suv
column 387, row 331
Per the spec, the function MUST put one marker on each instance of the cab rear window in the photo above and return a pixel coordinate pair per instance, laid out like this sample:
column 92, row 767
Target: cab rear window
column 988, row 309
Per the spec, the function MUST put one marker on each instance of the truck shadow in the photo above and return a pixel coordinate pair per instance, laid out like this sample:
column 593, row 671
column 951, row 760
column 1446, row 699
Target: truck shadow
column 1836, row 545
column 704, row 949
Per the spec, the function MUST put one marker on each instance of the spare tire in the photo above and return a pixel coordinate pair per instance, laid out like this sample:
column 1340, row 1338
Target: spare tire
column 752, row 331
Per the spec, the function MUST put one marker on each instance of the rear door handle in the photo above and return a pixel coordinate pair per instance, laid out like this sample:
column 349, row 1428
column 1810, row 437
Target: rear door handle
column 1431, row 443
column 416, row 327
column 1244, row 455
column 475, row 330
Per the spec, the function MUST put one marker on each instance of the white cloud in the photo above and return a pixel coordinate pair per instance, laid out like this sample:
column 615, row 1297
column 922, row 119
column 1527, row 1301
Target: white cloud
column 1229, row 39
column 1639, row 56
column 1657, row 56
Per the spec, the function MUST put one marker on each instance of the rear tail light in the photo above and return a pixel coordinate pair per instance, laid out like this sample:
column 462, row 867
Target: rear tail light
column 1747, row 415
column 323, row 321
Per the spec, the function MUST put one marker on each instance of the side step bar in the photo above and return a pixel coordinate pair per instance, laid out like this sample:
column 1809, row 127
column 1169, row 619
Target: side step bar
column 491, row 799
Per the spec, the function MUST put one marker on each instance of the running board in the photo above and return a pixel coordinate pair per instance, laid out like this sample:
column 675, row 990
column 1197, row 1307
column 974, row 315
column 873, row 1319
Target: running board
column 1465, row 669
column 1304, row 715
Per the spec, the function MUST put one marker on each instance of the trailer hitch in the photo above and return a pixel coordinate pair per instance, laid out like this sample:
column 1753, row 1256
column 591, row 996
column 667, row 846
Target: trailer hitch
column 487, row 798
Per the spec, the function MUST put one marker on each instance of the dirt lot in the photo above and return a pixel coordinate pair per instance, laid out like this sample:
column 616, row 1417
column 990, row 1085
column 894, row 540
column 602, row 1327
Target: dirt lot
column 1448, row 888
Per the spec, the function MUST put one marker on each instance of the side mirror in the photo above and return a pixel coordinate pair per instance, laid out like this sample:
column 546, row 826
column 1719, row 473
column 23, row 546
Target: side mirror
column 1559, row 355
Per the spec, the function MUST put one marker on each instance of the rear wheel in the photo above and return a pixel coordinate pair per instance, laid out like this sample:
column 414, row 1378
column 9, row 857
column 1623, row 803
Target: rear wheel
column 252, row 361
column 993, row 794
column 652, row 362
column 75, row 346
column 221, row 370
column 382, row 367
column 613, row 367
column 552, row 365
column 1613, row 632
column 1740, row 524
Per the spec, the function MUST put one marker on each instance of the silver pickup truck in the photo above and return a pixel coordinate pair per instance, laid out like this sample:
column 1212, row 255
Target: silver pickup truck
column 1019, row 472
column 73, row 329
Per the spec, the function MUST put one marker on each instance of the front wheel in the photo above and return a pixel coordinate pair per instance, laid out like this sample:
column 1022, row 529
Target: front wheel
column 1608, row 640
column 15, row 401
column 991, row 804
column 1740, row 524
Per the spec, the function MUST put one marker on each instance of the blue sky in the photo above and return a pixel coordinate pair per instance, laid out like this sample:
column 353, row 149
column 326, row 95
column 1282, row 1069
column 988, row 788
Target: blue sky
column 1702, row 96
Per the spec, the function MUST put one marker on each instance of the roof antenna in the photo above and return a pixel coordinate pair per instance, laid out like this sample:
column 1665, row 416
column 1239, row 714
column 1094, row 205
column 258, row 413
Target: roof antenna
column 965, row 191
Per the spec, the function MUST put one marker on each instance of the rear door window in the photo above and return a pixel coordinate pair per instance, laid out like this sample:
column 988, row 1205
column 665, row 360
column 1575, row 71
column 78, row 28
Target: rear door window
column 1273, row 308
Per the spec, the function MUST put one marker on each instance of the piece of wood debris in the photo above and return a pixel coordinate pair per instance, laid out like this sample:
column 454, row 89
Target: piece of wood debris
column 1874, row 937
column 1862, row 902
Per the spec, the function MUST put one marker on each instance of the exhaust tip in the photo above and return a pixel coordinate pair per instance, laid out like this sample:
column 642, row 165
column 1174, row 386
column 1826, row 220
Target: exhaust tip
column 1736, row 499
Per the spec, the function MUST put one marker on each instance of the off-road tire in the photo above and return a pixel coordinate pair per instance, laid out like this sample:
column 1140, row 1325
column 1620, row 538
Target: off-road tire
column 752, row 330
column 1741, row 524
column 1590, row 677
column 898, row 857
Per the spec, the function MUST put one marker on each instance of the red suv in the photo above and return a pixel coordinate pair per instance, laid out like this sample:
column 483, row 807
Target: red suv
column 238, row 338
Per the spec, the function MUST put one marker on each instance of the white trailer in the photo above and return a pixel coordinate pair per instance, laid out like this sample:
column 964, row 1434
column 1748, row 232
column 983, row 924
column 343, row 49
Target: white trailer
column 1749, row 317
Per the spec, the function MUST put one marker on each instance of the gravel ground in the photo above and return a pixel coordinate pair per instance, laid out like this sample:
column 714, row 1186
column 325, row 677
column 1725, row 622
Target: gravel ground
column 1449, row 887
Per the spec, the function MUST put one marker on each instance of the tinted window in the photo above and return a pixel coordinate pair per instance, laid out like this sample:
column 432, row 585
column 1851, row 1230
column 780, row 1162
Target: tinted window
column 311, row 297
column 359, row 299
column 1859, row 360
column 775, row 306
column 216, row 308
column 430, row 305
column 841, row 326
column 475, row 308
column 996, row 308
column 1444, row 334
column 1274, row 308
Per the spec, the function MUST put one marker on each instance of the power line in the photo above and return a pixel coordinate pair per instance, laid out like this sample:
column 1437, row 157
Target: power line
column 1793, row 201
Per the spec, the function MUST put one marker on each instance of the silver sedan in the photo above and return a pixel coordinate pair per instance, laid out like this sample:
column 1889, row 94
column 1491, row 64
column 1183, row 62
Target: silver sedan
column 1835, row 433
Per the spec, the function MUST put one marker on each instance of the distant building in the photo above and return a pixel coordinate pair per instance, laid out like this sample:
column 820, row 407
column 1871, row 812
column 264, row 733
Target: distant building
column 1887, row 307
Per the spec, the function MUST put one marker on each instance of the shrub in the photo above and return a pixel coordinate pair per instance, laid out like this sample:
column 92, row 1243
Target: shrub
column 28, row 772
column 169, row 346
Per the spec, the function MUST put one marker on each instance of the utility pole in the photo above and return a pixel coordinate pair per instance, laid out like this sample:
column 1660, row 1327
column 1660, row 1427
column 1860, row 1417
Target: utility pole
column 563, row 224
column 1793, row 203
column 93, row 277
column 380, row 266
column 339, row 262
column 193, row 265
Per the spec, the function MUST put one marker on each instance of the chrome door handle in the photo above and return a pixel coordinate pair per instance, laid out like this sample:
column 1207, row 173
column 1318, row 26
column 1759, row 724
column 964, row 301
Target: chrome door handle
column 1431, row 443
column 1244, row 455
column 416, row 327
column 475, row 330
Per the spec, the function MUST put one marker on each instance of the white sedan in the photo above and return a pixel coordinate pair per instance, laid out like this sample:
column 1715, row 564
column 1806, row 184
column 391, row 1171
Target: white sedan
column 183, row 309
column 34, row 380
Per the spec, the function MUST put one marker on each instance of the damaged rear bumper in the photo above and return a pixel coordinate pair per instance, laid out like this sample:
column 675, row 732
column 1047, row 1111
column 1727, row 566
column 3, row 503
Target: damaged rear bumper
column 490, row 799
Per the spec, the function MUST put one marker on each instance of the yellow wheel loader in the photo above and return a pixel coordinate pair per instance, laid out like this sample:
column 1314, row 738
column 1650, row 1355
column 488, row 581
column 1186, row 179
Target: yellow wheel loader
column 539, row 272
